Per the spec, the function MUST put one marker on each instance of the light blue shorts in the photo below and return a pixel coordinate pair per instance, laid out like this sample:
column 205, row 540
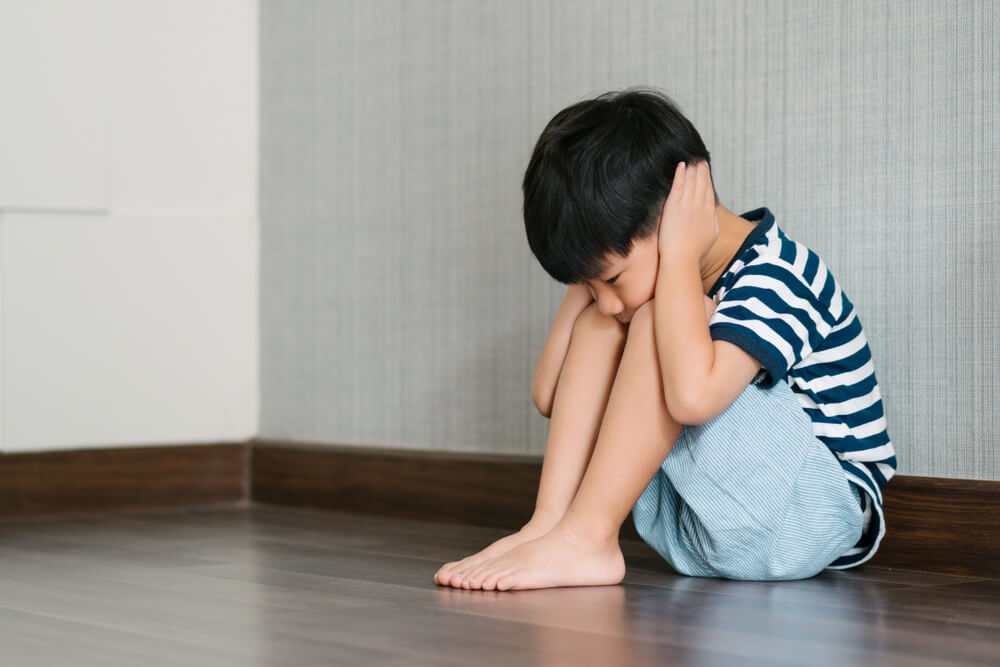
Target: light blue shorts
column 752, row 494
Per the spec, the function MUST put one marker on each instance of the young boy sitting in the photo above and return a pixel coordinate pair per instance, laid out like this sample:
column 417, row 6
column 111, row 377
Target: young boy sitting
column 719, row 387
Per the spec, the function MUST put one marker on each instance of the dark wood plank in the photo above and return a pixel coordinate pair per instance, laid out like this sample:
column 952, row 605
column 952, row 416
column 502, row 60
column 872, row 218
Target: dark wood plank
column 102, row 479
column 28, row 641
column 276, row 585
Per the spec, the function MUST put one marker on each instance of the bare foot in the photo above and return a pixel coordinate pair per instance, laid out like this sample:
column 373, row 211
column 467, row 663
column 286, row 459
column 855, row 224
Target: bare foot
column 451, row 574
column 558, row 558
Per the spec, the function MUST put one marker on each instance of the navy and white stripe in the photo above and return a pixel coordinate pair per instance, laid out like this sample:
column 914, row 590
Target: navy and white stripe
column 778, row 301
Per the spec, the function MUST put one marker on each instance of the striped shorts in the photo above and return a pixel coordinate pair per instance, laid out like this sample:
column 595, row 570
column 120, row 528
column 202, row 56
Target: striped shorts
column 752, row 494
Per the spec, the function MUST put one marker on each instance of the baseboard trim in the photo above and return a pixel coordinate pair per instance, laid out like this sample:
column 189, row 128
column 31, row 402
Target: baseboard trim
column 89, row 480
column 477, row 489
column 935, row 524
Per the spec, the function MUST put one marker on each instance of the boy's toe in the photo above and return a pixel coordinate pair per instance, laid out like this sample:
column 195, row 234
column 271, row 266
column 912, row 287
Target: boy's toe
column 497, row 579
column 478, row 575
column 490, row 583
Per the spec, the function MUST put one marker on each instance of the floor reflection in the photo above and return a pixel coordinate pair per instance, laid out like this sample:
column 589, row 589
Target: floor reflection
column 830, row 618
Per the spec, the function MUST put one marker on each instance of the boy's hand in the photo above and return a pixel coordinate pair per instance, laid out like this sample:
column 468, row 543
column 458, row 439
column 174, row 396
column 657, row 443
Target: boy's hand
column 689, row 224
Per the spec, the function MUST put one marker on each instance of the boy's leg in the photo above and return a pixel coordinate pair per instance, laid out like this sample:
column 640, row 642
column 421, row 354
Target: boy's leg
column 595, row 350
column 636, row 435
column 578, row 408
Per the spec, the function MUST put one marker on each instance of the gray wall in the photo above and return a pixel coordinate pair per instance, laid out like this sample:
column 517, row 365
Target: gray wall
column 400, row 305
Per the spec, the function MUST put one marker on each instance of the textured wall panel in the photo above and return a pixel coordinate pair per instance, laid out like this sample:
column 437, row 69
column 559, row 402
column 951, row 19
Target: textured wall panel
column 400, row 303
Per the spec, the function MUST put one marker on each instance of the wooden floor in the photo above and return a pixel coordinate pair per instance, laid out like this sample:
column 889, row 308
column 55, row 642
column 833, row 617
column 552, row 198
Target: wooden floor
column 263, row 585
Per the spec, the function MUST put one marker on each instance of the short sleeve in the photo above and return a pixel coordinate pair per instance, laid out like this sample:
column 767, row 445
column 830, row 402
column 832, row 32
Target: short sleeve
column 772, row 313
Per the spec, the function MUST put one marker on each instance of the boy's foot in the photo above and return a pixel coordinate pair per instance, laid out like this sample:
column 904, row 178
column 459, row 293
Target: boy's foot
column 558, row 558
column 451, row 574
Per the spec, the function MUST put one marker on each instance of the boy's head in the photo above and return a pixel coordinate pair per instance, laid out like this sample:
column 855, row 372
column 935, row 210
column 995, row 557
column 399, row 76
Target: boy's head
column 598, row 177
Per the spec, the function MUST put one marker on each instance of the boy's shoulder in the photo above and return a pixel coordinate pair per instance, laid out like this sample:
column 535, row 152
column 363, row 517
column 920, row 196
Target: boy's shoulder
column 771, row 266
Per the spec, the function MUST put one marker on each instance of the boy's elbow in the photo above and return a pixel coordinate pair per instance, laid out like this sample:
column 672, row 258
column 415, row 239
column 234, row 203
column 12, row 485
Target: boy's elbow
column 544, row 406
column 688, row 410
column 685, row 417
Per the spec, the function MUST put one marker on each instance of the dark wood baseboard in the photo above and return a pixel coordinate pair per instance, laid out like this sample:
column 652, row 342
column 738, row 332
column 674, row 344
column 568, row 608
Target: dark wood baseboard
column 477, row 489
column 935, row 524
column 125, row 478
column 941, row 525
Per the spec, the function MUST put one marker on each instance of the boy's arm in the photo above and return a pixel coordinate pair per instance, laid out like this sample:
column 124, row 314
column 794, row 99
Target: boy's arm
column 701, row 376
column 550, row 361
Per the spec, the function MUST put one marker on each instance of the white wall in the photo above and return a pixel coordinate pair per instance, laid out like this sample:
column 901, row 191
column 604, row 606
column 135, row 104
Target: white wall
column 128, row 223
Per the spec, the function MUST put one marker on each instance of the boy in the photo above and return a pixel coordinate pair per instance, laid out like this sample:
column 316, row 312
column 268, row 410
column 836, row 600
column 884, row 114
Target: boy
column 719, row 387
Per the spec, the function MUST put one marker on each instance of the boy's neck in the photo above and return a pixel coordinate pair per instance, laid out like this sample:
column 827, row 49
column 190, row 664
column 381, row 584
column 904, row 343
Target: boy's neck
column 733, row 231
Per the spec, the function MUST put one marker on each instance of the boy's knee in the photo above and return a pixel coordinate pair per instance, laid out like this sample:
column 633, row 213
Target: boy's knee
column 593, row 322
column 641, row 324
column 643, row 315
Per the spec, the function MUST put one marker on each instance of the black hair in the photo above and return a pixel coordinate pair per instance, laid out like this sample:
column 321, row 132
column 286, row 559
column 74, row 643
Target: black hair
column 598, row 177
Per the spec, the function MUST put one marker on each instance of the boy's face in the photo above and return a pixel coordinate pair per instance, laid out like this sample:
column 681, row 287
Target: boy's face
column 632, row 280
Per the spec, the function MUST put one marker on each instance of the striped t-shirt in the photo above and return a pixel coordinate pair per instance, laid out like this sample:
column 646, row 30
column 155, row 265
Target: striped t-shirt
column 778, row 301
